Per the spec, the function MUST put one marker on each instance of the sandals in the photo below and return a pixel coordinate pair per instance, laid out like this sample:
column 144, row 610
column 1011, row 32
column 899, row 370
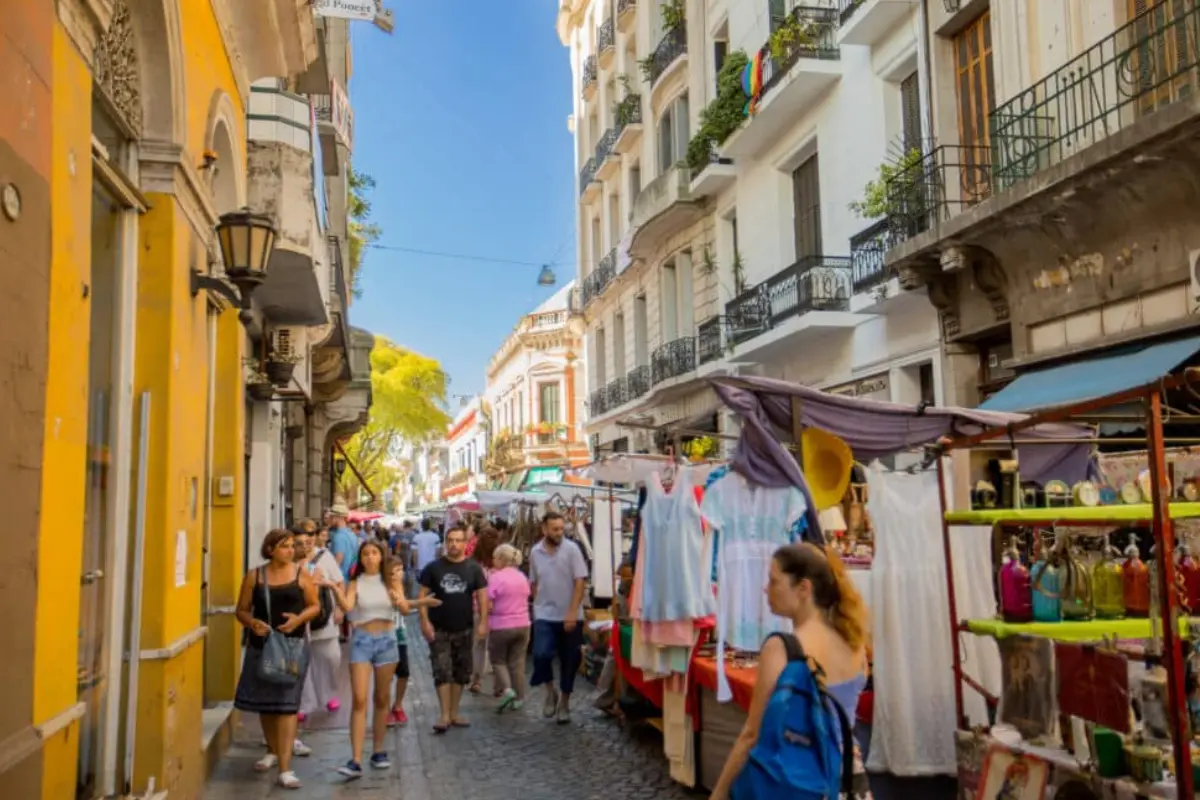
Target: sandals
column 475, row 688
column 460, row 723
column 441, row 727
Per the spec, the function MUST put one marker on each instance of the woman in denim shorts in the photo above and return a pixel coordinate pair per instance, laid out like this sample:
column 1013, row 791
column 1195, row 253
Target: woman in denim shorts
column 370, row 602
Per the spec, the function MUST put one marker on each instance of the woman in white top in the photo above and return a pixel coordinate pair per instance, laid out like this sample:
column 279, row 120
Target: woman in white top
column 370, row 602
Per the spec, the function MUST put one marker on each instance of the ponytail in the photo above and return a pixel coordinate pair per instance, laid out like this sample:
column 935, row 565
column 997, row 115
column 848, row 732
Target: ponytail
column 848, row 614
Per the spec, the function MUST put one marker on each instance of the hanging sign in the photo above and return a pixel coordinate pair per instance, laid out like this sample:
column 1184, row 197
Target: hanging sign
column 875, row 387
column 346, row 9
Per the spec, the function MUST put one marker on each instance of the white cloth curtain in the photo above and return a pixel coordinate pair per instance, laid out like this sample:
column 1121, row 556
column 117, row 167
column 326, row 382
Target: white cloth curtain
column 914, row 721
column 606, row 553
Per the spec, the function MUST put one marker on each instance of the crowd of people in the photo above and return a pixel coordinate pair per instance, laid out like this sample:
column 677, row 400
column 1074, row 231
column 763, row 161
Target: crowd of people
column 322, row 588
column 351, row 586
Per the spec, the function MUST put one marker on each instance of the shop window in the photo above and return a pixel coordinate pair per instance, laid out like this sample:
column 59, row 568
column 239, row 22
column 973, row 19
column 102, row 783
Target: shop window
column 994, row 375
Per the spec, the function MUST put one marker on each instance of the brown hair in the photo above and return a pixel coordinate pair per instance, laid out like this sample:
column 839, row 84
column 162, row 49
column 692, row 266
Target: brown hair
column 833, row 591
column 272, row 540
column 458, row 526
column 550, row 516
column 485, row 547
column 385, row 562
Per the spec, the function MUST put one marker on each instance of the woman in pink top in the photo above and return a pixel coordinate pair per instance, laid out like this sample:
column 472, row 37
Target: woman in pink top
column 508, row 619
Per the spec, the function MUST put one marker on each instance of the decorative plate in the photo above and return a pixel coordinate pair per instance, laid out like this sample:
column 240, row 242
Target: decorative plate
column 1086, row 494
column 1108, row 495
column 1131, row 494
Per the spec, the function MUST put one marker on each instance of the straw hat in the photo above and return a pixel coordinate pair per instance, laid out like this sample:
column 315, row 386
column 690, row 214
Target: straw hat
column 339, row 510
column 827, row 461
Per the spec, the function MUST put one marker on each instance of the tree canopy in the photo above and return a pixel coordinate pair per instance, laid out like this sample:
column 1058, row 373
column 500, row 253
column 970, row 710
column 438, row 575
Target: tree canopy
column 363, row 232
column 408, row 401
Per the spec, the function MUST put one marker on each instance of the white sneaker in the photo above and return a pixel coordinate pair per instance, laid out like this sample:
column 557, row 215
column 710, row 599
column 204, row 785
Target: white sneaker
column 288, row 780
column 299, row 748
column 266, row 763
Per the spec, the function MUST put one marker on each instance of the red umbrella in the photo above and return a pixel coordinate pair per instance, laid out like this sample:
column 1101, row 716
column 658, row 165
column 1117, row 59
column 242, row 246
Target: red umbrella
column 363, row 516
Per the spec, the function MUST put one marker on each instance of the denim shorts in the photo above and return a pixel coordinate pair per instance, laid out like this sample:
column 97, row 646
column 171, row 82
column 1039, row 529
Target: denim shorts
column 376, row 649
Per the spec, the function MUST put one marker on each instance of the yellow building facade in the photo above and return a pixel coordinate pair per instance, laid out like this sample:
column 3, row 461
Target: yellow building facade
column 132, row 488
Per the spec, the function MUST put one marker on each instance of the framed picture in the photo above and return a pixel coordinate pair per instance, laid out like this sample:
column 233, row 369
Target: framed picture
column 1012, row 776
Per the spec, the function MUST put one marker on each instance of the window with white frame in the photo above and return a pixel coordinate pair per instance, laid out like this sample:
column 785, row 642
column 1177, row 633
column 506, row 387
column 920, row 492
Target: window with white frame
column 673, row 133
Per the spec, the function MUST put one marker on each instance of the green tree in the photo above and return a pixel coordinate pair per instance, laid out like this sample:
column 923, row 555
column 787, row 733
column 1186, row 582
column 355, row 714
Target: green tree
column 408, row 404
column 363, row 231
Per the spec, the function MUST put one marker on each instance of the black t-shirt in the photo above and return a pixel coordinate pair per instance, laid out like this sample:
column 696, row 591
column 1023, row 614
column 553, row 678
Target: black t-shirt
column 455, row 585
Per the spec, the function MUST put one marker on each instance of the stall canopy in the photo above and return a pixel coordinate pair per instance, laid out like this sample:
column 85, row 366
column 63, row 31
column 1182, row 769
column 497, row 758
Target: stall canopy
column 1102, row 376
column 876, row 429
column 496, row 500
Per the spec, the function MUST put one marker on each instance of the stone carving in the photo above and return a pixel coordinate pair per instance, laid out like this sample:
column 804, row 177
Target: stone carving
column 943, row 294
column 991, row 280
column 116, row 68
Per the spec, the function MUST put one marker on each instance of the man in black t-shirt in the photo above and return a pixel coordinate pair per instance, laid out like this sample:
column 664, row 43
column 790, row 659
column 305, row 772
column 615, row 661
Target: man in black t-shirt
column 461, row 585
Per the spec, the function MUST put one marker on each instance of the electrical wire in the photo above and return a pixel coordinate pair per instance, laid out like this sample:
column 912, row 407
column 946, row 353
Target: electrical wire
column 465, row 256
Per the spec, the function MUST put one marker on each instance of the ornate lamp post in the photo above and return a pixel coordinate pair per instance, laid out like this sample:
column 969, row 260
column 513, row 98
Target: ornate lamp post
column 246, row 240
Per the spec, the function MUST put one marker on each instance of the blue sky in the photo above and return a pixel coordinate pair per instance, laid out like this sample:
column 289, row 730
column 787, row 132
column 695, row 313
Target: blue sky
column 460, row 116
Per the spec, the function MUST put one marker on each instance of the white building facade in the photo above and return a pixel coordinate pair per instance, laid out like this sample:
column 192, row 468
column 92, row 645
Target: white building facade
column 749, row 258
column 466, row 449
column 535, row 389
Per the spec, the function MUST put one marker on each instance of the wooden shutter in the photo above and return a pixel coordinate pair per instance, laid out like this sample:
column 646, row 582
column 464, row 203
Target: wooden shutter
column 910, row 109
column 806, row 200
column 975, row 86
column 777, row 11
column 1162, row 61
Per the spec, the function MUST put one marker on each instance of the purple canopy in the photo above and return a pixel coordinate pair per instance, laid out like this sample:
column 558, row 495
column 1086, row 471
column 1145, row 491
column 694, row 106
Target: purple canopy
column 876, row 429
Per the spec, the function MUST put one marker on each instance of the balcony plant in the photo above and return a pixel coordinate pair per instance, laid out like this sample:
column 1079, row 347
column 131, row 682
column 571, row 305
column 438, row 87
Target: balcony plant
column 895, row 191
column 625, row 111
column 674, row 14
column 791, row 34
column 723, row 115
column 258, row 385
column 280, row 367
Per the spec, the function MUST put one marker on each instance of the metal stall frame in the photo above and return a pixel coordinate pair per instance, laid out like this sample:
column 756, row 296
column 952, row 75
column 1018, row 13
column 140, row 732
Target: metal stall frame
column 1164, row 538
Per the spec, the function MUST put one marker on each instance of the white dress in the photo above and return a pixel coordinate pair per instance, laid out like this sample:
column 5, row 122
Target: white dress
column 678, row 585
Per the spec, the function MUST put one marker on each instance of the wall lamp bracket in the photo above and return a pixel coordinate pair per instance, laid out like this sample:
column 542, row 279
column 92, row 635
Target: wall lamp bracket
column 237, row 296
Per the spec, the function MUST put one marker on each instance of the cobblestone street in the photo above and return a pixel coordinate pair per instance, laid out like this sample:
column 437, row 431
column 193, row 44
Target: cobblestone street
column 515, row 755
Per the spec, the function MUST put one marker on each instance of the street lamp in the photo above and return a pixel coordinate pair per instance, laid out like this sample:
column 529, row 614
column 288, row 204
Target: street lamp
column 246, row 240
column 546, row 277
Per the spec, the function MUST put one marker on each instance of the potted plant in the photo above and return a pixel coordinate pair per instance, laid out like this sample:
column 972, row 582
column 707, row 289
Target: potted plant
column 280, row 367
column 258, row 385
column 897, row 192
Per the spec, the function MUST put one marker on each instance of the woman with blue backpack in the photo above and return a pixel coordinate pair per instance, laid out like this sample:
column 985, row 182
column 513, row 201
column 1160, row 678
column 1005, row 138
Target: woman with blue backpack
column 798, row 740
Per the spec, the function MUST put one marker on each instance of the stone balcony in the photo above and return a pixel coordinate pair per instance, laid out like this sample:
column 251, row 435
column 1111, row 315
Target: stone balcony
column 662, row 208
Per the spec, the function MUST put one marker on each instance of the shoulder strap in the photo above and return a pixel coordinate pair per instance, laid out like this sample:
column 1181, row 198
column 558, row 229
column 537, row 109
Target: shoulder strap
column 262, row 571
column 795, row 652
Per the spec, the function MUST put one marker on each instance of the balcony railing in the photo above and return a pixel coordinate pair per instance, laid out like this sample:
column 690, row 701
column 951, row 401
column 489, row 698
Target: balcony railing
column 673, row 359
column 947, row 180
column 546, row 320
column 1140, row 68
column 818, row 39
column 599, row 278
column 867, row 248
column 846, row 9
column 672, row 46
column 604, row 147
column 598, row 402
column 590, row 73
column 814, row 283
column 616, row 393
column 606, row 37
column 587, row 174
column 625, row 5
column 746, row 315
column 637, row 382
column 708, row 340
column 629, row 110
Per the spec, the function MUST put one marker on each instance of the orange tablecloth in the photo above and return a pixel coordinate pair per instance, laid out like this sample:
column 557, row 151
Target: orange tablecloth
column 741, row 681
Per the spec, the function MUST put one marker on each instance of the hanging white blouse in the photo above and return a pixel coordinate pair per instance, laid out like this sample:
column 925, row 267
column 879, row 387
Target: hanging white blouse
column 754, row 522
column 678, row 585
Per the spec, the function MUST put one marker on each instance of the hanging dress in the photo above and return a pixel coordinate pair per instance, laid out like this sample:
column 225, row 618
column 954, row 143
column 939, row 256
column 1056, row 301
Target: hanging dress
column 676, row 586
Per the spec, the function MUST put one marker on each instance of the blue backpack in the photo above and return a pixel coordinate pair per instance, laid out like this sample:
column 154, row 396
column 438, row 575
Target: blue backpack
column 797, row 755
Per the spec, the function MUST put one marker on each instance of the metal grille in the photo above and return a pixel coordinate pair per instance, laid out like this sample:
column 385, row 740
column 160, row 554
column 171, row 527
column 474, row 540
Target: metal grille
column 910, row 109
column 638, row 381
column 867, row 249
column 673, row 359
column 672, row 46
column 708, row 340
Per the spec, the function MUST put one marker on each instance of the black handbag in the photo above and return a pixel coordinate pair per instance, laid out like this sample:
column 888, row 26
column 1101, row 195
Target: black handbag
column 284, row 658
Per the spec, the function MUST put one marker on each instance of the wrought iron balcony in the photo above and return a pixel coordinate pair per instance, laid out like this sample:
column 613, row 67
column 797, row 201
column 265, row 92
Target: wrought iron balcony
column 604, row 147
column 626, row 5
column 637, row 382
column 746, row 315
column 708, row 340
column 947, row 180
column 616, row 393
column 846, row 9
column 606, row 36
column 673, row 359
column 814, row 283
column 672, row 46
column 599, row 278
column 867, row 248
column 586, row 175
column 629, row 110
column 597, row 402
column 590, row 74
column 818, row 39
column 1140, row 68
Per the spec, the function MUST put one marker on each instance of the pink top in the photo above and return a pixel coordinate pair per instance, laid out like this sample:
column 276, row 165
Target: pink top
column 508, row 591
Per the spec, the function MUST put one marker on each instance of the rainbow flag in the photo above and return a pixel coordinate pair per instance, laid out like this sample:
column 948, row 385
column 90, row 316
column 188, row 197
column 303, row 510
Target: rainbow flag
column 752, row 81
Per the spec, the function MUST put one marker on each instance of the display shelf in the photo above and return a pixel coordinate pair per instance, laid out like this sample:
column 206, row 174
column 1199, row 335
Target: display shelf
column 1117, row 787
column 1083, row 631
column 1139, row 512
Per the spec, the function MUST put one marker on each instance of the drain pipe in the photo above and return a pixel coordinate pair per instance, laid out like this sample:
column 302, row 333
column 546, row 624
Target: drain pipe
column 927, row 48
column 136, row 584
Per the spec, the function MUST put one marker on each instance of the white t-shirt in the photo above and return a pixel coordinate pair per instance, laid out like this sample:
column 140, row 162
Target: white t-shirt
column 327, row 565
column 426, row 544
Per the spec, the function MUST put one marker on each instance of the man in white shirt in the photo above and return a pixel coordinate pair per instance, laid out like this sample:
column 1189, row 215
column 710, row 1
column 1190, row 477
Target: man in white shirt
column 558, row 573
column 426, row 547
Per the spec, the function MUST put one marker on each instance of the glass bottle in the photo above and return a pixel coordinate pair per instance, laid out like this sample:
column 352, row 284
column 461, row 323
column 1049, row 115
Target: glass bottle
column 1137, row 581
column 1016, row 602
column 1108, row 584
column 1189, row 572
column 1075, row 586
column 1045, row 584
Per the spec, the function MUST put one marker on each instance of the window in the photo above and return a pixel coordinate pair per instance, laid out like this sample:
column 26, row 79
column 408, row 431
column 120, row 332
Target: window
column 673, row 133
column 925, row 379
column 1161, row 66
column 548, row 403
column 597, row 251
column 635, row 181
column 619, row 344
column 641, row 344
column 975, row 86
column 601, row 351
column 686, row 303
column 614, row 219
column 806, row 208
column 910, row 111
column 720, row 51
column 667, row 295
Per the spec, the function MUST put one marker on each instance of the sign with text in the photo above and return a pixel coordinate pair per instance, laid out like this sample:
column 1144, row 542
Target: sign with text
column 340, row 114
column 346, row 9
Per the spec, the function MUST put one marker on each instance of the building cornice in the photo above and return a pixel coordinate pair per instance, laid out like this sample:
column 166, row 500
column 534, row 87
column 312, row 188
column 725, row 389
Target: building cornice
column 167, row 168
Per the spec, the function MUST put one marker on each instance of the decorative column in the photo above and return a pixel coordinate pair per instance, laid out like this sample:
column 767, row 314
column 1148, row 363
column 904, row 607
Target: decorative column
column 569, row 394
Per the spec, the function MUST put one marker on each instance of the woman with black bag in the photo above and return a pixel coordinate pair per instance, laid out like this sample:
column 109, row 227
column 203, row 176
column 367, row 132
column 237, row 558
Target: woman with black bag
column 276, row 603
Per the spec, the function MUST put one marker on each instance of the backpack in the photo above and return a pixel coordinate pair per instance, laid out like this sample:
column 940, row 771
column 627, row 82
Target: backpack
column 797, row 754
column 328, row 604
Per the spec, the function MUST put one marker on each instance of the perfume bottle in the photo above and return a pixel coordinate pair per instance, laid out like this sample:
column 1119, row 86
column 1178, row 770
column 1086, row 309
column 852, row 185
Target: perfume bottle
column 1045, row 585
column 1075, row 586
column 1108, row 584
column 1016, row 601
column 1189, row 575
column 1137, row 581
